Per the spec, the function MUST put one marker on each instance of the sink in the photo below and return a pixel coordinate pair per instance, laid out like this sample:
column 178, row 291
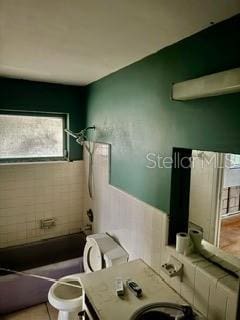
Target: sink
column 163, row 311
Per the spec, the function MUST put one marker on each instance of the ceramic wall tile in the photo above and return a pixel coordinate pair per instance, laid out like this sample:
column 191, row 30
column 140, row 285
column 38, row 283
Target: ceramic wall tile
column 30, row 192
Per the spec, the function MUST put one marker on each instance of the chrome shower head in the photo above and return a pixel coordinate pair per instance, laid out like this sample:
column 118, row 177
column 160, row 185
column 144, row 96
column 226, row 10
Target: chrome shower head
column 79, row 136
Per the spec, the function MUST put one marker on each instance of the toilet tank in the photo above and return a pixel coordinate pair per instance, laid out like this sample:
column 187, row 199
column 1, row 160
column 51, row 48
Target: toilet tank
column 115, row 256
column 102, row 251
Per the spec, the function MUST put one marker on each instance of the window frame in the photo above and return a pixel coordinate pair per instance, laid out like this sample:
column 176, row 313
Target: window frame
column 65, row 119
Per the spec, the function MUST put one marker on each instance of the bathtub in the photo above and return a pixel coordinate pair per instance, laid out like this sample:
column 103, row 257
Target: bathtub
column 52, row 258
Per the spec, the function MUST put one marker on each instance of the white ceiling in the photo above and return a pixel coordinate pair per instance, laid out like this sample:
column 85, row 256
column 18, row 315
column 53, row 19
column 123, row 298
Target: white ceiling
column 80, row 41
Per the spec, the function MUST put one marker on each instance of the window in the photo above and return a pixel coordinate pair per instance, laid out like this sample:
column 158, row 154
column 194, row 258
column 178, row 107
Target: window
column 26, row 137
column 235, row 161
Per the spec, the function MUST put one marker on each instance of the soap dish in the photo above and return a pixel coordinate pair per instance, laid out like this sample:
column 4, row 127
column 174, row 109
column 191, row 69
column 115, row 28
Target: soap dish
column 173, row 268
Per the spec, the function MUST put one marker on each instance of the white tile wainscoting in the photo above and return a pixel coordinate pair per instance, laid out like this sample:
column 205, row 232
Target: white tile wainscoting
column 142, row 230
column 30, row 192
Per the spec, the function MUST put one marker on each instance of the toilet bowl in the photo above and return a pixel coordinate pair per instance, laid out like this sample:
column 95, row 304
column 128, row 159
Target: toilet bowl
column 67, row 299
column 100, row 251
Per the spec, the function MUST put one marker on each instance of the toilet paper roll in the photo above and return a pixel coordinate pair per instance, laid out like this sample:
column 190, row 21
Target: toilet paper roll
column 182, row 242
column 196, row 237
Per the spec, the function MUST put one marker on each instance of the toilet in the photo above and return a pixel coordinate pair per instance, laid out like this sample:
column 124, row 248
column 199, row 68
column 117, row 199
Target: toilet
column 100, row 252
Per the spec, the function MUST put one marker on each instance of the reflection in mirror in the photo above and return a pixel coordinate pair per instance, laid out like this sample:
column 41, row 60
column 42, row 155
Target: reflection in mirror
column 214, row 204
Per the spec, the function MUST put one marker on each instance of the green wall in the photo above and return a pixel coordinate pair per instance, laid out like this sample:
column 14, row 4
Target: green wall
column 45, row 97
column 133, row 112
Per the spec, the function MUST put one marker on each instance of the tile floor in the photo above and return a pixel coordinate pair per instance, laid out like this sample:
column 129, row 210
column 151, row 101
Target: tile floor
column 40, row 312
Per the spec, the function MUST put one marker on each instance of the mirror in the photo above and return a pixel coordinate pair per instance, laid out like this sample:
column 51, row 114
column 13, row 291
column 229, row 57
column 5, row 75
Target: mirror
column 214, row 198
column 205, row 194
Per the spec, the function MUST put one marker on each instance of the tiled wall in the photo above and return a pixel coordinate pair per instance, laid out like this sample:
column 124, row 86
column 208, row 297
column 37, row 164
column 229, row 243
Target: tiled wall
column 134, row 223
column 30, row 192
column 142, row 231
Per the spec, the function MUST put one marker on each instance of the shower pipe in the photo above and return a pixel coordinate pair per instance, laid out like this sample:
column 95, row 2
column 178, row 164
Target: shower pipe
column 81, row 138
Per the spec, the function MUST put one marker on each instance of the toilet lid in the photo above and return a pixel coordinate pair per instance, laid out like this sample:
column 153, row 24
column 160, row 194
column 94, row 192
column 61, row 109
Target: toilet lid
column 92, row 257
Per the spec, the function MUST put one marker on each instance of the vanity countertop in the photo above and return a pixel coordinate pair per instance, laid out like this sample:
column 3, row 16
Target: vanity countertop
column 99, row 288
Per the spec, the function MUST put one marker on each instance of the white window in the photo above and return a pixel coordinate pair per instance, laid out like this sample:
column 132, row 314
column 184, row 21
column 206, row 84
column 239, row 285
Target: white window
column 31, row 137
column 235, row 161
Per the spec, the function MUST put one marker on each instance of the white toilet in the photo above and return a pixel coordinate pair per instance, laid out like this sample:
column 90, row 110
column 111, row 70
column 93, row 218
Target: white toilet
column 100, row 251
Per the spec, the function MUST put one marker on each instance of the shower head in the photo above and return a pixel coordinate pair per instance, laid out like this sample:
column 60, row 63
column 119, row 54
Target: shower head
column 90, row 128
column 79, row 136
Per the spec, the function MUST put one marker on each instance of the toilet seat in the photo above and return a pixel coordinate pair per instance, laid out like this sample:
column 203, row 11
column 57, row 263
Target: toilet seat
column 92, row 256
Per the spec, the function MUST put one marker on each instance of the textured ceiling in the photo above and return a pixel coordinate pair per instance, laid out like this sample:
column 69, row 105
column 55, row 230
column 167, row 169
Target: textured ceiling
column 80, row 41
